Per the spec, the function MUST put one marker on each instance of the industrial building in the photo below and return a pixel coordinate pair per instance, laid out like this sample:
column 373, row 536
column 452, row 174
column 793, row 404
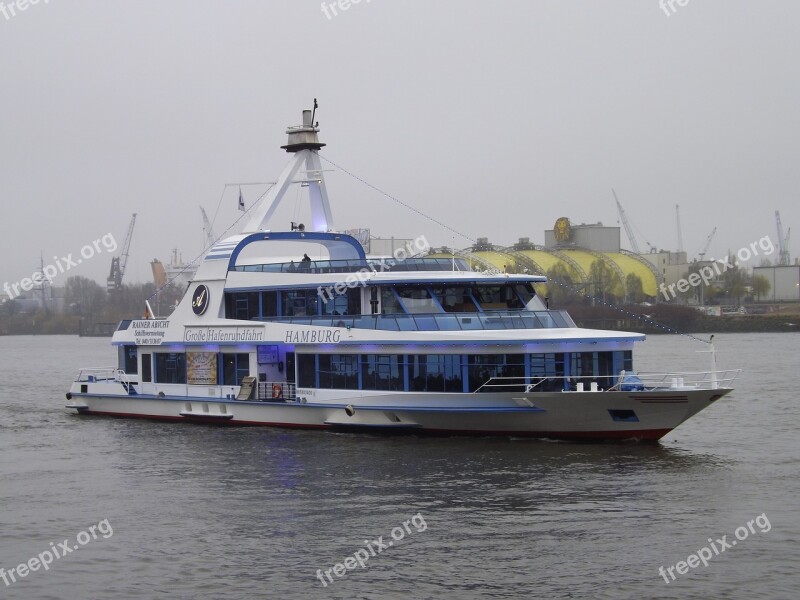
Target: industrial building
column 784, row 281
column 589, row 256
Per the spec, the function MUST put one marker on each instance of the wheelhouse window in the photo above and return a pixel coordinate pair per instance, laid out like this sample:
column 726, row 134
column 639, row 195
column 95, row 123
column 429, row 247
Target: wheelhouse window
column 527, row 294
column 170, row 367
column 417, row 299
column 455, row 299
column 497, row 297
column 390, row 304
column 235, row 367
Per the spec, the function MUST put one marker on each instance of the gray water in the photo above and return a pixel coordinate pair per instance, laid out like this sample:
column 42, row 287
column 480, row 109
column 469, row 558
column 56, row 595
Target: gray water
column 213, row 512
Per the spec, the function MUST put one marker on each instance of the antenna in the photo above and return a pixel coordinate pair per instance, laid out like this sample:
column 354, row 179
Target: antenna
column 314, row 112
column 678, row 222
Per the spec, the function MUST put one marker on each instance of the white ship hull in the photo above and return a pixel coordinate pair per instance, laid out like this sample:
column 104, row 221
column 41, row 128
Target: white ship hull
column 562, row 415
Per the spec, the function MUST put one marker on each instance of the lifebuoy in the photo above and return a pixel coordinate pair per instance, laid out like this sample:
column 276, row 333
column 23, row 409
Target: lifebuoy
column 277, row 391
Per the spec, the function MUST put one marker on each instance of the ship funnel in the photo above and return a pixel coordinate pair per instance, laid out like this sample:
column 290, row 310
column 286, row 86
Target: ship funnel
column 303, row 137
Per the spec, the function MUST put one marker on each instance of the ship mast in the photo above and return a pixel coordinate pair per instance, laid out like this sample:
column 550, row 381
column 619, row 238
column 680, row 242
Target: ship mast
column 305, row 145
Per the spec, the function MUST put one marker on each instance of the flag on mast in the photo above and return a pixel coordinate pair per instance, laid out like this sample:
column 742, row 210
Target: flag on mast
column 241, row 199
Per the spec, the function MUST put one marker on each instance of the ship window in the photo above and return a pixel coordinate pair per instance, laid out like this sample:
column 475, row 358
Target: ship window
column 503, row 372
column 242, row 306
column 594, row 366
column 455, row 299
column 170, row 367
column 128, row 362
column 527, row 293
column 147, row 367
column 627, row 357
column 300, row 303
column 390, row 305
column 346, row 303
column 235, row 367
column 417, row 300
column 306, row 370
column 547, row 365
column 435, row 373
column 497, row 297
column 269, row 304
column 381, row 372
column 338, row 371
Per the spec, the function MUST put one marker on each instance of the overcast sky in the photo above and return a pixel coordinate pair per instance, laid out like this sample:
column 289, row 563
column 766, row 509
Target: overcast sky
column 494, row 117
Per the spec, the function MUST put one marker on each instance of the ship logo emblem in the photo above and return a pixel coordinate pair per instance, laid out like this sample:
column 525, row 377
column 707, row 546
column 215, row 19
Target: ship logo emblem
column 200, row 300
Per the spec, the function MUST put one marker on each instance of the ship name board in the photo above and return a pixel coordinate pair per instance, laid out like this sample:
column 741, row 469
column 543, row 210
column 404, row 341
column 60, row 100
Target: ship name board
column 313, row 336
column 223, row 334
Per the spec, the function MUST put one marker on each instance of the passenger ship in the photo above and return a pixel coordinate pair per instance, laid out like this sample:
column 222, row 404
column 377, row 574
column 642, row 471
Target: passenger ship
column 266, row 335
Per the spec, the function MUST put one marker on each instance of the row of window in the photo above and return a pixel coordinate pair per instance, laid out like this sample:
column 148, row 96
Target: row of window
column 204, row 368
column 400, row 299
column 248, row 306
column 394, row 372
column 457, row 372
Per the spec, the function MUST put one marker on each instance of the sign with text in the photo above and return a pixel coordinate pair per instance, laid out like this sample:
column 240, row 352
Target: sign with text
column 223, row 334
column 201, row 368
column 149, row 332
column 313, row 336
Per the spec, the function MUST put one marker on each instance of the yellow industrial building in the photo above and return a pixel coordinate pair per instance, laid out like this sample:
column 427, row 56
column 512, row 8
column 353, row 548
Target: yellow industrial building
column 587, row 256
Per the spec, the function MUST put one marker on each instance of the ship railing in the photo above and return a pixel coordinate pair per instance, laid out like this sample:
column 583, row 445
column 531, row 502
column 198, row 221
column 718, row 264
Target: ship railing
column 511, row 384
column 104, row 375
column 630, row 381
column 706, row 380
column 95, row 374
column 276, row 391
column 536, row 383
column 370, row 265
column 457, row 321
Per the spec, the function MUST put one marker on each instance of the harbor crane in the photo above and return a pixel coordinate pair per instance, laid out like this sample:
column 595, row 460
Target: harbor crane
column 118, row 263
column 783, row 242
column 710, row 238
column 628, row 230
